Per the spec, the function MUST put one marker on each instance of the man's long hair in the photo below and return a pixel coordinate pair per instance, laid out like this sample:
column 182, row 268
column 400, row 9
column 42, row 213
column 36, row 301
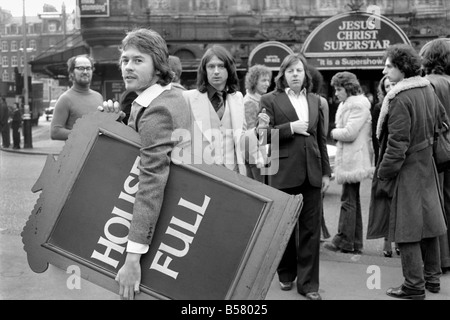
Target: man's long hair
column 228, row 60
column 280, row 80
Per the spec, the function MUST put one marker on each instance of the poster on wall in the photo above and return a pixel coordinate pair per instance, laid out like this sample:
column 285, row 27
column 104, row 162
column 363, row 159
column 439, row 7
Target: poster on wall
column 219, row 236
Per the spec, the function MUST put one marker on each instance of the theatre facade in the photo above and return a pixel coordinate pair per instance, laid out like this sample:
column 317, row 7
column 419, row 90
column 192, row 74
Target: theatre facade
column 334, row 35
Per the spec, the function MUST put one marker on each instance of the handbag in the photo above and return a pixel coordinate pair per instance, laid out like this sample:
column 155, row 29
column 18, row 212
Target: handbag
column 441, row 147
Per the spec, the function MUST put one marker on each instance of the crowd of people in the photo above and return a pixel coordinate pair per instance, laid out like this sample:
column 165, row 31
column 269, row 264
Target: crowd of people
column 386, row 142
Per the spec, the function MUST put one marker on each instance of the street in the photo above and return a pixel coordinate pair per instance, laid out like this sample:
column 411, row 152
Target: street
column 343, row 276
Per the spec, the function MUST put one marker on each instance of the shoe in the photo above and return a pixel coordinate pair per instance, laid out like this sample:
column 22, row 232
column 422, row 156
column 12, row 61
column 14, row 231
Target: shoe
column 286, row 286
column 330, row 247
column 404, row 293
column 433, row 287
column 387, row 254
column 312, row 296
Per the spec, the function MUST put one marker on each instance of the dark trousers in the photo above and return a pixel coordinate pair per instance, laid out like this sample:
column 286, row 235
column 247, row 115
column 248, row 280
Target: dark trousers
column 301, row 257
column 16, row 135
column 350, row 228
column 420, row 263
column 6, row 136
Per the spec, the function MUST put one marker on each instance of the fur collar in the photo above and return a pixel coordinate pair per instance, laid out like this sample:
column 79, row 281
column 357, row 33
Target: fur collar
column 358, row 101
column 405, row 84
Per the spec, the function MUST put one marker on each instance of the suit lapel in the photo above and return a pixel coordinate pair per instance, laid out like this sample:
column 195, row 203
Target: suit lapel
column 236, row 113
column 286, row 106
column 201, row 112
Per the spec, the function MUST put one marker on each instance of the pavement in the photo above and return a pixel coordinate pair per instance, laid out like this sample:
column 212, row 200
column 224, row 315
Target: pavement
column 342, row 276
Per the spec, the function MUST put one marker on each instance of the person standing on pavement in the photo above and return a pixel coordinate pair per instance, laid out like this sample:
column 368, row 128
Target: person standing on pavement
column 79, row 100
column 16, row 123
column 156, row 113
column 257, row 81
column 304, row 168
column 353, row 159
column 217, row 106
column 436, row 64
column 4, row 123
column 405, row 204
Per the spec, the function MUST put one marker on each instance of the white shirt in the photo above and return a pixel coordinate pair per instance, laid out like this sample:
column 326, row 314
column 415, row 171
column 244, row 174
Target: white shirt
column 300, row 103
column 143, row 101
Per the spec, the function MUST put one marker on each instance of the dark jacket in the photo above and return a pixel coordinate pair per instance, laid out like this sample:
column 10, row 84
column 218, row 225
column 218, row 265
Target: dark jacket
column 300, row 157
column 405, row 202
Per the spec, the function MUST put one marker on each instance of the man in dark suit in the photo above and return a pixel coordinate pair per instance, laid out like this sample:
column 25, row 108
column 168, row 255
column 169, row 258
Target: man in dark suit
column 303, row 169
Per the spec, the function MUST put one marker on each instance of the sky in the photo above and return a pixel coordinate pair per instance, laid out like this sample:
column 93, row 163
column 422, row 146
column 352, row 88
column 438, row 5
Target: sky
column 33, row 7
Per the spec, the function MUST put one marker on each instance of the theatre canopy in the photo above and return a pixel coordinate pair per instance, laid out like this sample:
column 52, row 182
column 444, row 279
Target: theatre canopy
column 352, row 40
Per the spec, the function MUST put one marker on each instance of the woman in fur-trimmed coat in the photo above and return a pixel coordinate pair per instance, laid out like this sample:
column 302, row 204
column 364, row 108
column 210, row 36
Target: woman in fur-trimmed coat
column 353, row 159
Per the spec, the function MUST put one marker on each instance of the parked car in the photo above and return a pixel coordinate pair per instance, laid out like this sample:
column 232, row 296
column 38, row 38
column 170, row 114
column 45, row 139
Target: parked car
column 49, row 110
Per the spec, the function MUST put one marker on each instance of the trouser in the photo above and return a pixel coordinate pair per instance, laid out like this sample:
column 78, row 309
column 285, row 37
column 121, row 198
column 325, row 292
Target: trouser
column 16, row 136
column 301, row 256
column 420, row 263
column 350, row 227
column 6, row 136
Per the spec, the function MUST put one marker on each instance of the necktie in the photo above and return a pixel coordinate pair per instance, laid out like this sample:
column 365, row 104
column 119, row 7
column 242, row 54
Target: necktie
column 219, row 105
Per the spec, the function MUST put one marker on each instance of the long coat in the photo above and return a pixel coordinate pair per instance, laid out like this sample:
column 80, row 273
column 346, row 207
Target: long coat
column 405, row 202
column 354, row 142
column 299, row 156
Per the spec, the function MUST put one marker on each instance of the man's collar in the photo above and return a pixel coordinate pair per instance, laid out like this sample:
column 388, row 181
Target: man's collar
column 211, row 91
column 147, row 96
column 289, row 92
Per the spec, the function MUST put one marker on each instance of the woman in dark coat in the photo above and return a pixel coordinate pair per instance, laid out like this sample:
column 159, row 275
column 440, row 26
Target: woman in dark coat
column 405, row 204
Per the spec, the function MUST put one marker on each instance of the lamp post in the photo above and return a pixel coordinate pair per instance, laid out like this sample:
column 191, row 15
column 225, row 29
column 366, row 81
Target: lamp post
column 26, row 113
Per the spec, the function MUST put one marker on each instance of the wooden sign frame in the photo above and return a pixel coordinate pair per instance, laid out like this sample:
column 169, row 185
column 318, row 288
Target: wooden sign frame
column 257, row 261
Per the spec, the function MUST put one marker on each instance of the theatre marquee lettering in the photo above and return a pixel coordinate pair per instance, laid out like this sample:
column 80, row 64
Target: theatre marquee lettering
column 357, row 35
column 352, row 40
column 349, row 62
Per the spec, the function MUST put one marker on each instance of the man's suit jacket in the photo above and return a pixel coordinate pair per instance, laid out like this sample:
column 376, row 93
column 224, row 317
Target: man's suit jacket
column 156, row 125
column 201, row 108
column 300, row 157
